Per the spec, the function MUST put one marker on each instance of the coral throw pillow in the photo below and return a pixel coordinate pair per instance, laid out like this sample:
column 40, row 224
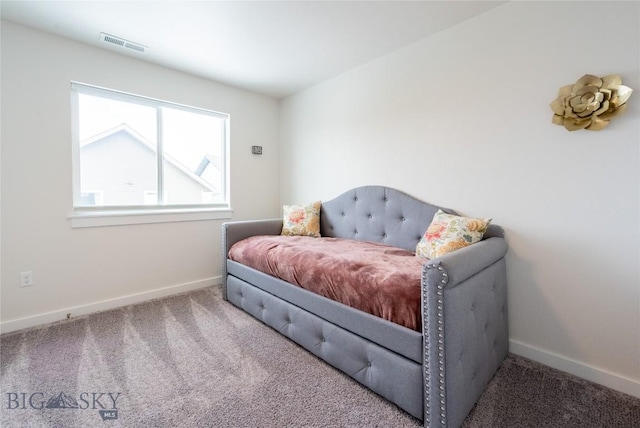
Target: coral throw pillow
column 301, row 220
column 448, row 232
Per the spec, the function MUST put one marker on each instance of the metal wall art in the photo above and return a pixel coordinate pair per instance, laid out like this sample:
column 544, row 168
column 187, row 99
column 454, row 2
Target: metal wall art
column 590, row 103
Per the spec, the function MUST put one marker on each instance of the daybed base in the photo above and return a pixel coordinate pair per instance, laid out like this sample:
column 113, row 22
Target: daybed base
column 393, row 376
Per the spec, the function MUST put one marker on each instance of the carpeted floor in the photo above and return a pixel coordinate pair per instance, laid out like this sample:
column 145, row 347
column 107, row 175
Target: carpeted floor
column 193, row 360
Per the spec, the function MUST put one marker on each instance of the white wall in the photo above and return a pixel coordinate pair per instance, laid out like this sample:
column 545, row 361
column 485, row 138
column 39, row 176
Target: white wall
column 462, row 120
column 80, row 270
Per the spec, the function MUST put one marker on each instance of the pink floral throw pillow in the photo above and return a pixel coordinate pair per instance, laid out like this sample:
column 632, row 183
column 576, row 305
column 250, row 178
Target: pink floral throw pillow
column 448, row 232
column 301, row 220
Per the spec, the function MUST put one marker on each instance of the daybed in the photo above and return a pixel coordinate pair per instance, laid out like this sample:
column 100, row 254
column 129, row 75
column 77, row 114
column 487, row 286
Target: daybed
column 436, row 373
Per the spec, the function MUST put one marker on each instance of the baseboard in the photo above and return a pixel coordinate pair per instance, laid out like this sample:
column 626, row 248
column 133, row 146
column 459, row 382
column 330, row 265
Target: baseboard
column 577, row 368
column 35, row 320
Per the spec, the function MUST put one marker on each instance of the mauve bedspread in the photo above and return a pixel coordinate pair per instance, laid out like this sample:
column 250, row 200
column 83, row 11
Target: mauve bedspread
column 372, row 277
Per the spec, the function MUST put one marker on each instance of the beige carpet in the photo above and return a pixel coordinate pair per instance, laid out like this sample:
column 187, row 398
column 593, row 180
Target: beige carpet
column 193, row 360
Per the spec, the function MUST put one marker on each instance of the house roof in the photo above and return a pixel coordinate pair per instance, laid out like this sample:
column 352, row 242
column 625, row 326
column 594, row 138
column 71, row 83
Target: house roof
column 207, row 161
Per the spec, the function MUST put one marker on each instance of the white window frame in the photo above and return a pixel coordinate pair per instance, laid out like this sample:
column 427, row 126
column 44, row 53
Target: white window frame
column 83, row 216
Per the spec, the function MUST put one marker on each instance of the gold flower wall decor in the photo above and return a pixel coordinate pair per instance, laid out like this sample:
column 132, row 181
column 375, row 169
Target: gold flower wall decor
column 590, row 103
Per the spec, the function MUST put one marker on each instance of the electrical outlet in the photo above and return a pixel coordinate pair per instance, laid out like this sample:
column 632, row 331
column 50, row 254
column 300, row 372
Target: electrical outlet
column 26, row 278
column 256, row 150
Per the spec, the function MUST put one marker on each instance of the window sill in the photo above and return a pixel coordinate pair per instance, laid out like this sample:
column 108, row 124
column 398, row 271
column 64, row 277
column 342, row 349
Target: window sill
column 90, row 218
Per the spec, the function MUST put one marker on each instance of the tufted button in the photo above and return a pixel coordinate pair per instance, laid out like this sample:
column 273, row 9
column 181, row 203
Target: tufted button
column 369, row 216
column 342, row 213
column 384, row 235
column 402, row 219
column 386, row 199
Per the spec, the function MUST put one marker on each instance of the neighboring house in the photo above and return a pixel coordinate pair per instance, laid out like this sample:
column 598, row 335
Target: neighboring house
column 118, row 167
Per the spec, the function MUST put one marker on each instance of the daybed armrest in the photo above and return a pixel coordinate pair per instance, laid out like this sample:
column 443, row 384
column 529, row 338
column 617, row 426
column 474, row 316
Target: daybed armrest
column 465, row 328
column 470, row 260
column 235, row 231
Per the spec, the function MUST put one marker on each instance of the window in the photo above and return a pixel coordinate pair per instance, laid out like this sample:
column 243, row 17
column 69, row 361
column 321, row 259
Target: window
column 133, row 154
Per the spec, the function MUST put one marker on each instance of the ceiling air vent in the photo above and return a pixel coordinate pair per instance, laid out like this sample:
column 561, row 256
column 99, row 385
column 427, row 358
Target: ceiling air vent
column 122, row 42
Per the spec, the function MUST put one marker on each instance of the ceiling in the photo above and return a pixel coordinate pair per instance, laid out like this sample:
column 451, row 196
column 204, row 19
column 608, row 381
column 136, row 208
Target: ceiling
column 276, row 48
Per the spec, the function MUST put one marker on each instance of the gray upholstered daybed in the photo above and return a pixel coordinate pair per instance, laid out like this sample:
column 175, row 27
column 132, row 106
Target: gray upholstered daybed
column 436, row 375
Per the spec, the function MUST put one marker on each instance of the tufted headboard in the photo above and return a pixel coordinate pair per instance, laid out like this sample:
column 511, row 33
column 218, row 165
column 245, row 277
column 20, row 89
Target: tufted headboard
column 378, row 214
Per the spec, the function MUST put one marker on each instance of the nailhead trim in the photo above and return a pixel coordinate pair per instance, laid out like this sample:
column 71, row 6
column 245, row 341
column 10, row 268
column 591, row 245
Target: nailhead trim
column 425, row 360
column 441, row 383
